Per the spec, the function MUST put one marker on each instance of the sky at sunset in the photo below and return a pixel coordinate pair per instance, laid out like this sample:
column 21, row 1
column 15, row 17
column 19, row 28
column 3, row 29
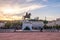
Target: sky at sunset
column 15, row 9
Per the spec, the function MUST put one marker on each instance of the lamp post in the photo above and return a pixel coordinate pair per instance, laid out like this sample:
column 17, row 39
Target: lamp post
column 45, row 22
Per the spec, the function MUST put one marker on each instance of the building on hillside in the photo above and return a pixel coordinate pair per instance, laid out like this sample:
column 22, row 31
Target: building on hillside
column 51, row 23
column 54, row 22
column 58, row 21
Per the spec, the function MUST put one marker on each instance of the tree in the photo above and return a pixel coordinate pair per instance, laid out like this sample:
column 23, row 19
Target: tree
column 17, row 25
column 7, row 25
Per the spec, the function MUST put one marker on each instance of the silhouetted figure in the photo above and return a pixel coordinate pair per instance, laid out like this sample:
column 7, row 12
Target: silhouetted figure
column 41, row 30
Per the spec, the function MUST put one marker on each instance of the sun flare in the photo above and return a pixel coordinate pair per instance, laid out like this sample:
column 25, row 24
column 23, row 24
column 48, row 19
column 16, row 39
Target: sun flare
column 9, row 10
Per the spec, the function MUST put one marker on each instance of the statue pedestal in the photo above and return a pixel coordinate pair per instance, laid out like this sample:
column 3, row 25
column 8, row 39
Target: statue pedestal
column 27, row 24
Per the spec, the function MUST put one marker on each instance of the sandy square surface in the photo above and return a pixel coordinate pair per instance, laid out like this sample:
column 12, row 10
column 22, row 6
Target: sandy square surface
column 30, row 36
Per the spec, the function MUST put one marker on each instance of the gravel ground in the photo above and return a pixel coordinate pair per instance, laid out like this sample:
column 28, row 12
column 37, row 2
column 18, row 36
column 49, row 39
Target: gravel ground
column 30, row 36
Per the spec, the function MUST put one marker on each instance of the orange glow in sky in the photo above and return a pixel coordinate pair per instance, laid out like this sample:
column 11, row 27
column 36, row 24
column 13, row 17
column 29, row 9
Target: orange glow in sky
column 8, row 13
column 9, row 10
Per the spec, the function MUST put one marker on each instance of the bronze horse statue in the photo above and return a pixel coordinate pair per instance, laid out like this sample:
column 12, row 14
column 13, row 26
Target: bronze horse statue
column 27, row 15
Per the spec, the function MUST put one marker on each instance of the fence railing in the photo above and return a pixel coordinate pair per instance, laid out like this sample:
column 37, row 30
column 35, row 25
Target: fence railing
column 7, row 30
column 44, row 30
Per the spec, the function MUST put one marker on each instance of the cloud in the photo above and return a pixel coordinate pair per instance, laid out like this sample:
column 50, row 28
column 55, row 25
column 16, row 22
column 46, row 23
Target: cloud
column 19, row 11
column 19, row 6
column 29, row 0
column 45, row 0
column 56, row 6
column 15, row 1
column 31, row 7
